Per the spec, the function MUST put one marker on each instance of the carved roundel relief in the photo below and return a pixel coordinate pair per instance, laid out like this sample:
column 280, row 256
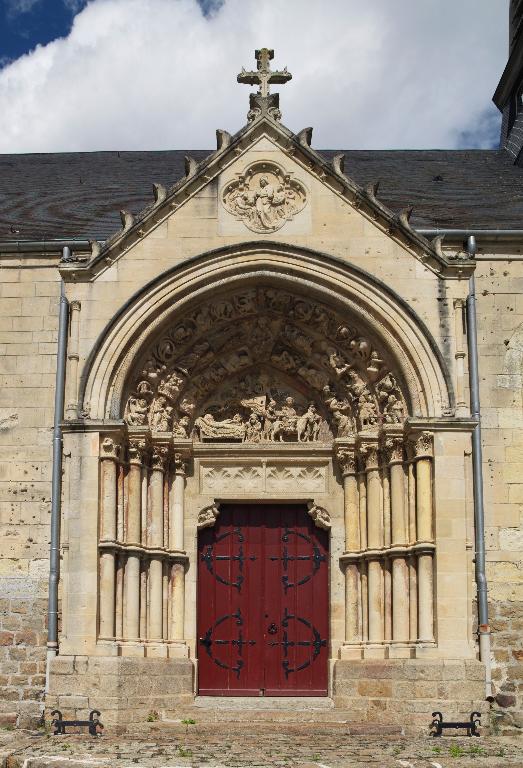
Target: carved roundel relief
column 264, row 197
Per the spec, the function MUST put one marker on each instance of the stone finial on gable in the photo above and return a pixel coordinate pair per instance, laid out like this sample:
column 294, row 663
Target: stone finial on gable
column 263, row 102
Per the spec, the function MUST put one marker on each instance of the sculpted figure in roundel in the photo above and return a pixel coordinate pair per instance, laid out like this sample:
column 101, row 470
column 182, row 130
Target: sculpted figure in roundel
column 245, row 303
column 264, row 197
column 284, row 360
column 222, row 310
column 278, row 301
column 302, row 311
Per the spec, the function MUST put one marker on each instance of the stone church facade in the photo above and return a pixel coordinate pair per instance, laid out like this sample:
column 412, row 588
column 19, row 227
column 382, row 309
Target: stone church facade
column 263, row 477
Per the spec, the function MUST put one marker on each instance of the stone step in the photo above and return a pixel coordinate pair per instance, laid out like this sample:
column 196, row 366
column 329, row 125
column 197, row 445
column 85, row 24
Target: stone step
column 265, row 718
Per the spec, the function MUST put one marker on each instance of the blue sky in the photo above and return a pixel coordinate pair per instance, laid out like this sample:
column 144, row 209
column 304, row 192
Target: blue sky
column 26, row 23
column 159, row 74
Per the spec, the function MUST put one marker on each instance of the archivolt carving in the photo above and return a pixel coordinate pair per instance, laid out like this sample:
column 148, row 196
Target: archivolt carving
column 264, row 197
column 263, row 365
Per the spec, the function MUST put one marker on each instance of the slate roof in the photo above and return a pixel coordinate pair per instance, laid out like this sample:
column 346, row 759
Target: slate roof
column 80, row 194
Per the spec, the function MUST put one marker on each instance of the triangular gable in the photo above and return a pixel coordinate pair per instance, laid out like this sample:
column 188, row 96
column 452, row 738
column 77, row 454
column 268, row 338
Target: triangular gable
column 229, row 148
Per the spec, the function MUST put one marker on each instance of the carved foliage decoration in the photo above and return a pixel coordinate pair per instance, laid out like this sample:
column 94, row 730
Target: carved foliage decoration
column 264, row 197
column 262, row 365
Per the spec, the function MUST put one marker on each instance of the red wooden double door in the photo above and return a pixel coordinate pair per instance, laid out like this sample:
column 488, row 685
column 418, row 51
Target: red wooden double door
column 263, row 615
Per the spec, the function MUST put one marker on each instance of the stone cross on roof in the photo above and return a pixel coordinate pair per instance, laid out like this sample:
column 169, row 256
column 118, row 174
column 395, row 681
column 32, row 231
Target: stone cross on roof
column 264, row 76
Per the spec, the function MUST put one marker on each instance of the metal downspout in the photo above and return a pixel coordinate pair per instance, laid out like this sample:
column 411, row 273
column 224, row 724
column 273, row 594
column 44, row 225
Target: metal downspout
column 477, row 471
column 56, row 487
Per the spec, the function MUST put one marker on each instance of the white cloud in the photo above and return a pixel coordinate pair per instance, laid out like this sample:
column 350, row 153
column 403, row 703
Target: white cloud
column 15, row 7
column 157, row 74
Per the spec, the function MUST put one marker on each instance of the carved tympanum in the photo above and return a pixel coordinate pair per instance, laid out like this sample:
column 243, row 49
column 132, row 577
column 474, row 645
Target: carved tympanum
column 264, row 365
column 264, row 197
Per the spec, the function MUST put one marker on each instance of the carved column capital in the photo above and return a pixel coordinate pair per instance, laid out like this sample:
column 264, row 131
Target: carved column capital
column 180, row 463
column 75, row 305
column 459, row 303
column 347, row 461
column 109, row 448
column 137, row 451
column 159, row 456
column 207, row 516
column 369, row 453
column 423, row 445
column 394, row 450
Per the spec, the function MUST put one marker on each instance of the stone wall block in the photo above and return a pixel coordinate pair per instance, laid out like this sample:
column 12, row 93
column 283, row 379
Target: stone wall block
column 73, row 702
column 62, row 665
column 375, row 688
column 474, row 670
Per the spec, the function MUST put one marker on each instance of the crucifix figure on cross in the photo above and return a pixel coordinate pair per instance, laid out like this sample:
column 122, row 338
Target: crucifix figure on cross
column 264, row 76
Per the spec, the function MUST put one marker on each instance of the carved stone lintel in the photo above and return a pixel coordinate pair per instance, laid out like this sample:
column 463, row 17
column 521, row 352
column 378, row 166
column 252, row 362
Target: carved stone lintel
column 321, row 517
column 207, row 516
column 394, row 450
column 109, row 449
column 137, row 449
column 423, row 445
column 347, row 460
column 159, row 456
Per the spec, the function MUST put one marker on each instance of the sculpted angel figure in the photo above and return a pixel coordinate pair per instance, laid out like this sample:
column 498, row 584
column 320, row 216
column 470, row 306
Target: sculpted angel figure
column 136, row 411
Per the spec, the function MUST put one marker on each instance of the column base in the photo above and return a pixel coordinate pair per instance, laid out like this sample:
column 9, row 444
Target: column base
column 401, row 651
column 178, row 649
column 350, row 651
column 371, row 651
column 155, row 650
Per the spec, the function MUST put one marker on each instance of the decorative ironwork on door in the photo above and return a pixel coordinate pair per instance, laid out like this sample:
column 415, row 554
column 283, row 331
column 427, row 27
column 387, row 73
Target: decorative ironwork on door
column 263, row 603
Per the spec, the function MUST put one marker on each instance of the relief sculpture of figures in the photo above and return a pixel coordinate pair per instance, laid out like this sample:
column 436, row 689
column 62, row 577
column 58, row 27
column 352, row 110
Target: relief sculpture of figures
column 263, row 365
column 264, row 197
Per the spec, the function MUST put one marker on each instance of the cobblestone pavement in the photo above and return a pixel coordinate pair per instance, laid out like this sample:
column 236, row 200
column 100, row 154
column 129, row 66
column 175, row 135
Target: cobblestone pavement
column 238, row 746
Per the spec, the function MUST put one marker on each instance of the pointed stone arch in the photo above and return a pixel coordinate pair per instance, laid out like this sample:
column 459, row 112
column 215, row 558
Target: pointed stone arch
column 391, row 329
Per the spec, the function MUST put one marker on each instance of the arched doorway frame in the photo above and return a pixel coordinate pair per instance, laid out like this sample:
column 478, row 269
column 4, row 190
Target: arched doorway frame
column 364, row 297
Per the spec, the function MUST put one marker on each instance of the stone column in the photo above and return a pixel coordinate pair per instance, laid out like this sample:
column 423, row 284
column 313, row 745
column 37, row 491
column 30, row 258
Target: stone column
column 347, row 461
column 423, row 450
column 155, row 540
column 133, row 536
column 369, row 451
column 176, row 542
column 362, row 493
column 72, row 359
column 461, row 406
column 400, row 573
column 108, row 501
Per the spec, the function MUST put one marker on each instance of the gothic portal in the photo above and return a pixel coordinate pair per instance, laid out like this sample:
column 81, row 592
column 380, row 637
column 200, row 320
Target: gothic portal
column 267, row 445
